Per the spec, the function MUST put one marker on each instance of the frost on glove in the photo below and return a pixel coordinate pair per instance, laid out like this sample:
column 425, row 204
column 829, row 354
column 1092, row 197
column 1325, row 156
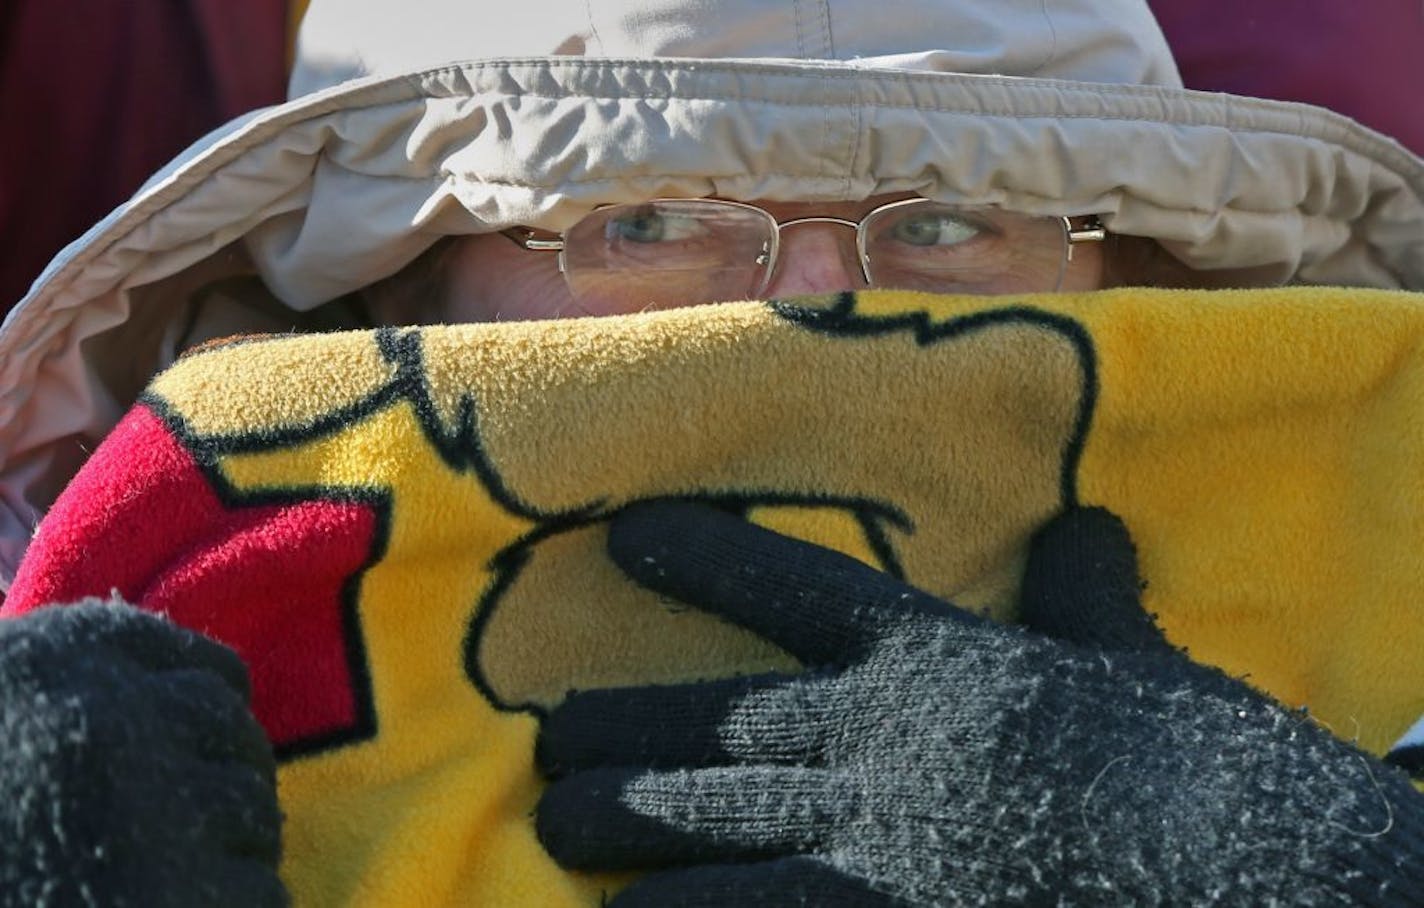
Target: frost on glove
column 132, row 772
column 927, row 756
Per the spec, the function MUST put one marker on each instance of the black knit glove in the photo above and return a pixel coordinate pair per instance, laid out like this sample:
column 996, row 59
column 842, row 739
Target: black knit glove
column 132, row 771
column 927, row 756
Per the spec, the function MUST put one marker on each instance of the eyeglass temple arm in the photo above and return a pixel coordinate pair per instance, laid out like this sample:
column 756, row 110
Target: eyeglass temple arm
column 1091, row 231
column 533, row 240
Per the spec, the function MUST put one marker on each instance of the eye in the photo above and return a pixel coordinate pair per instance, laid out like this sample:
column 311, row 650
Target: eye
column 649, row 225
column 934, row 229
column 637, row 227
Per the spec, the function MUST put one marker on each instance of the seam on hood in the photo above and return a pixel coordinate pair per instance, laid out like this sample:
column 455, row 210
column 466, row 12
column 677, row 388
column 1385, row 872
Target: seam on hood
column 1053, row 38
column 592, row 28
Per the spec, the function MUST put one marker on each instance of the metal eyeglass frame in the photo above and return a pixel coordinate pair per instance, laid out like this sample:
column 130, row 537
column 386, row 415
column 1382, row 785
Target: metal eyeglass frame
column 1090, row 230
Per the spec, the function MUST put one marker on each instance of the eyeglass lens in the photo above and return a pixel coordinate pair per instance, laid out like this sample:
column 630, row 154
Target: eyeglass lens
column 686, row 251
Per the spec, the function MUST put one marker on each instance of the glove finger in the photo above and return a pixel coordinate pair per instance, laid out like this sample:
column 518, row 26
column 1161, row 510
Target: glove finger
column 208, row 719
column 245, row 884
column 211, row 884
column 149, row 640
column 759, row 718
column 615, row 819
column 231, row 806
column 787, row 881
column 175, row 814
column 819, row 605
column 1082, row 584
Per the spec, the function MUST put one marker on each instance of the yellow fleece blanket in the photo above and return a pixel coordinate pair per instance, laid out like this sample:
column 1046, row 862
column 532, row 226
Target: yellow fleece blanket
column 401, row 530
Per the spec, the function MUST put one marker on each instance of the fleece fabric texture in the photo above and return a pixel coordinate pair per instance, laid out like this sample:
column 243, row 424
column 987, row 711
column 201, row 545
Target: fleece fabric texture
column 402, row 531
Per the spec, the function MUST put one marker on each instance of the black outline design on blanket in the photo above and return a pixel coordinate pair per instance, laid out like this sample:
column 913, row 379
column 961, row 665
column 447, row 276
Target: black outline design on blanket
column 206, row 453
column 462, row 450
column 842, row 319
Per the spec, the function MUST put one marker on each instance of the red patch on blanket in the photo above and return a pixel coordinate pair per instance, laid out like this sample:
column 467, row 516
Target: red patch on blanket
column 269, row 580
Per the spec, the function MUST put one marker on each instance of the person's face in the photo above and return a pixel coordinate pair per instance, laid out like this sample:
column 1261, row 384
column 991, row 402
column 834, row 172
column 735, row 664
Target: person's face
column 489, row 278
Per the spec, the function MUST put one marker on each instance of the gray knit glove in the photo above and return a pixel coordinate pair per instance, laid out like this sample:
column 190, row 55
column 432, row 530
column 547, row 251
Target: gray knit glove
column 926, row 756
column 132, row 773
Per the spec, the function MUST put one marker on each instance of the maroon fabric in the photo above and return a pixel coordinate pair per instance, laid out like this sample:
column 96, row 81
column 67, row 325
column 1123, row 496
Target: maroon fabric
column 1364, row 59
column 96, row 95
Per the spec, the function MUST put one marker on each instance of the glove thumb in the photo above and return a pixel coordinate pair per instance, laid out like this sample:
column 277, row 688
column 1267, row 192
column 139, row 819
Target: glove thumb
column 1081, row 584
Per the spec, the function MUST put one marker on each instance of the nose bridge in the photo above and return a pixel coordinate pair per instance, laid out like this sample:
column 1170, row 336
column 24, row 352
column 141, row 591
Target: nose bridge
column 817, row 255
column 817, row 219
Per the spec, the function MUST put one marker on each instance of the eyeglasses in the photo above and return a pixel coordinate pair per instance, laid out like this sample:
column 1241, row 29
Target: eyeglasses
column 689, row 251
